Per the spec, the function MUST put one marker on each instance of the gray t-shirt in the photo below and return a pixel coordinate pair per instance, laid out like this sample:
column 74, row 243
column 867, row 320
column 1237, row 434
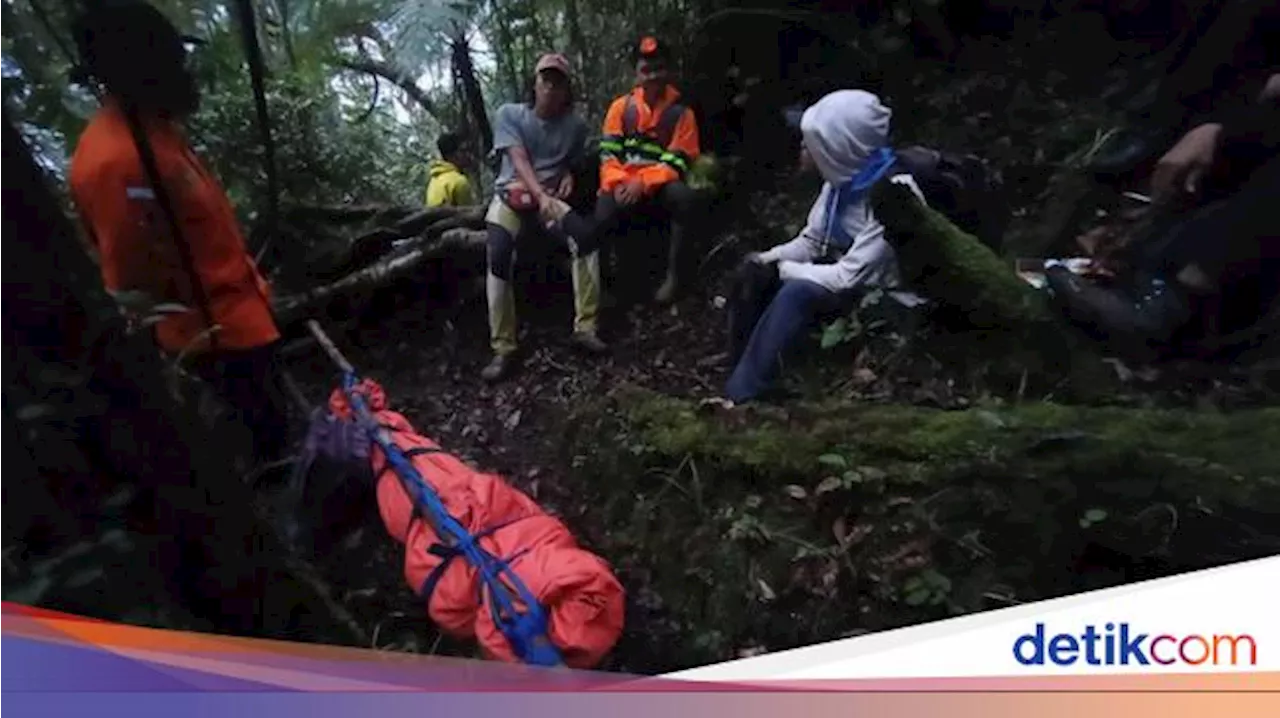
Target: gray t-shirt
column 553, row 145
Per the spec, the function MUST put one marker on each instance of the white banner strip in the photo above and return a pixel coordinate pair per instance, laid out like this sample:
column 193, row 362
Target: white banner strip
column 1217, row 620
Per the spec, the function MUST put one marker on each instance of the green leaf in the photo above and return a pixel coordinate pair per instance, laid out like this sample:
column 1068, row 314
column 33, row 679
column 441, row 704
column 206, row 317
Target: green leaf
column 1093, row 516
column 834, row 460
column 918, row 597
column 835, row 333
column 828, row 485
column 796, row 492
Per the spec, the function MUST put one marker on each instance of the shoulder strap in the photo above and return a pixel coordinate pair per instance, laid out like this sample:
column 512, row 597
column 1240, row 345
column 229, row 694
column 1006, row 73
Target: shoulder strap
column 150, row 167
column 667, row 123
column 630, row 116
column 666, row 128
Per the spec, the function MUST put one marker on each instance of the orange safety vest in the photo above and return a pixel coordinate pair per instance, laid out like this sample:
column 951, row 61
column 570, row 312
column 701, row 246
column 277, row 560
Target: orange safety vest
column 118, row 207
column 655, row 145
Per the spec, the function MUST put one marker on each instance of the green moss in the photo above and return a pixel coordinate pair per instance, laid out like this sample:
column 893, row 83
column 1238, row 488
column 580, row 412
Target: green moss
column 725, row 526
column 781, row 441
column 977, row 290
column 956, row 268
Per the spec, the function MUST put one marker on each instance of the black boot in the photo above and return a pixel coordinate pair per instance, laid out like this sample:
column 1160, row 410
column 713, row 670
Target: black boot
column 1148, row 313
column 1129, row 149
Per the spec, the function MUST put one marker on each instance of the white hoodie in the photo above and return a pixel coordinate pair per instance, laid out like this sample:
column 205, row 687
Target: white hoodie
column 840, row 132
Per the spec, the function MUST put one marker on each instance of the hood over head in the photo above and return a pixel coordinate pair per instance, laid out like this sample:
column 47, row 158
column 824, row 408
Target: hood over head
column 842, row 130
column 440, row 167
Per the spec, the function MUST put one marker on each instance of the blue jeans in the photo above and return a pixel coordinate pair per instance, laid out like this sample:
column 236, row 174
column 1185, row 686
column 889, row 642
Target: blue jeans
column 795, row 305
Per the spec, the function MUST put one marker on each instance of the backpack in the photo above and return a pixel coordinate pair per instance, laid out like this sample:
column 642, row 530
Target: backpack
column 964, row 187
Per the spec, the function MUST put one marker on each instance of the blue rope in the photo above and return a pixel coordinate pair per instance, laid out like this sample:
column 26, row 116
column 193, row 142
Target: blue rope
column 526, row 631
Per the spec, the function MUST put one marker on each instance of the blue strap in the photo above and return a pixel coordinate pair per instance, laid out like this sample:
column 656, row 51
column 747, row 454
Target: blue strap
column 525, row 631
column 449, row 553
column 877, row 166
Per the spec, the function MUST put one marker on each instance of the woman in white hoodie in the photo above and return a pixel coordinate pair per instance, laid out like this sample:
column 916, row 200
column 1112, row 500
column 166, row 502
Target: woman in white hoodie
column 841, row 252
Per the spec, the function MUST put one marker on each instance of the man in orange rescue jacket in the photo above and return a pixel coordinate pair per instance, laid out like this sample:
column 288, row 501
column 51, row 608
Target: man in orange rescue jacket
column 139, row 59
column 650, row 141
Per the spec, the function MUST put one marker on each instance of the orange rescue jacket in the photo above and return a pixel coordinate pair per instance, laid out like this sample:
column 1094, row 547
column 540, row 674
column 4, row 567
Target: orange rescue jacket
column 655, row 145
column 136, row 251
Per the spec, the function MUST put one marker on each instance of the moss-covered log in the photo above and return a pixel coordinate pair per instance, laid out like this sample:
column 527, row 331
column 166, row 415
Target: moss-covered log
column 977, row 291
column 765, row 529
column 958, row 270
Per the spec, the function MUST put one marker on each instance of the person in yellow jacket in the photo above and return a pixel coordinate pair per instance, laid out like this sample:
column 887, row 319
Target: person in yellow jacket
column 447, row 185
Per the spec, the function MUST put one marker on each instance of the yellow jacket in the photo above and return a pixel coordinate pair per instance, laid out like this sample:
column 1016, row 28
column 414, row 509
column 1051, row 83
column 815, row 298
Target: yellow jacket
column 448, row 186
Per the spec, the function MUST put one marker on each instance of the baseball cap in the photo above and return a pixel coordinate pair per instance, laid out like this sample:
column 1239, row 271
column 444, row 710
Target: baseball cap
column 553, row 61
column 648, row 48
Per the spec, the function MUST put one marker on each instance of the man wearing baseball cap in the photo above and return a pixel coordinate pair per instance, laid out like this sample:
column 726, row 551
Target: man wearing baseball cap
column 540, row 141
column 650, row 141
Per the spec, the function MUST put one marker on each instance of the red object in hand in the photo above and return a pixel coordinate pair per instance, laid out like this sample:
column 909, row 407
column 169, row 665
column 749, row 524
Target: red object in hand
column 519, row 198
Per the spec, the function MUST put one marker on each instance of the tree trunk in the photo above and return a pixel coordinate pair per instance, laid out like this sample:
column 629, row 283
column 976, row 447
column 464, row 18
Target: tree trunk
column 586, row 69
column 461, row 54
column 286, row 32
column 507, row 51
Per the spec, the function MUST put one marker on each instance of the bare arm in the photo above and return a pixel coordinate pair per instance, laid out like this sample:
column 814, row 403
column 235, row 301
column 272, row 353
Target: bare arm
column 524, row 170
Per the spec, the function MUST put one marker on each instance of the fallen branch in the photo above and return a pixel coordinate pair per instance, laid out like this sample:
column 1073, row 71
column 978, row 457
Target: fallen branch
column 292, row 307
column 398, row 75
column 420, row 227
column 426, row 219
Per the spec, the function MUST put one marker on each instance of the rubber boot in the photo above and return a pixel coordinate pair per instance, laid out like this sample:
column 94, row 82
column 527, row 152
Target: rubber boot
column 1128, row 149
column 1138, row 317
column 502, row 327
column 586, row 303
column 671, row 285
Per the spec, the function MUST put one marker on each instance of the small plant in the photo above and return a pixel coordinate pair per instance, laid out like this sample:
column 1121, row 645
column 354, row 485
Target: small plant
column 928, row 588
column 841, row 331
column 748, row 527
column 848, row 476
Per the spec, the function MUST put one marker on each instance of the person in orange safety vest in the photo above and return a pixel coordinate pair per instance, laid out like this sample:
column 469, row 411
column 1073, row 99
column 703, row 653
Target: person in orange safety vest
column 206, row 268
column 650, row 140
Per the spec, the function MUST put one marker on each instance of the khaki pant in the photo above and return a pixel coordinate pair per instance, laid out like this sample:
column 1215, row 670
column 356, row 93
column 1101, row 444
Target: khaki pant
column 505, row 227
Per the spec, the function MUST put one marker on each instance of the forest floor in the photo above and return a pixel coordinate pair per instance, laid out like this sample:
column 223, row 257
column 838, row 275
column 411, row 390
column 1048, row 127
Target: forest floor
column 607, row 480
column 897, row 487
column 551, row 430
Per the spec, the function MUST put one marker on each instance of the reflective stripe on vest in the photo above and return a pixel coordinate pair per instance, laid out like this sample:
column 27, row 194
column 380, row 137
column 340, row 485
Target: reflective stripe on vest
column 635, row 148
